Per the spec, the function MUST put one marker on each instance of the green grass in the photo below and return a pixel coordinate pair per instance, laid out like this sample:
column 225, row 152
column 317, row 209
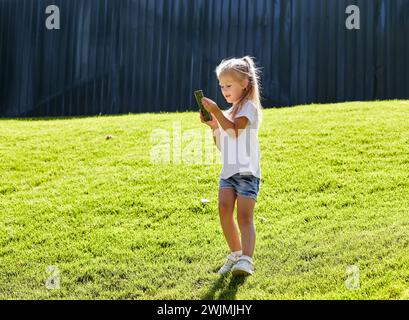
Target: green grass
column 334, row 193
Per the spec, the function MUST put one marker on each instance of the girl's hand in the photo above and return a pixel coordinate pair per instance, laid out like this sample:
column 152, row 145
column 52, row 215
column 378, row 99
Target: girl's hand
column 210, row 105
column 212, row 123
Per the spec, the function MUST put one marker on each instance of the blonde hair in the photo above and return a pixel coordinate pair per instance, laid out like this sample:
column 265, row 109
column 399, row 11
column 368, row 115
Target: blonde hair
column 243, row 69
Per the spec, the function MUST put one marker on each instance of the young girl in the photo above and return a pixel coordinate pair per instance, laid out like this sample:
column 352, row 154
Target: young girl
column 235, row 134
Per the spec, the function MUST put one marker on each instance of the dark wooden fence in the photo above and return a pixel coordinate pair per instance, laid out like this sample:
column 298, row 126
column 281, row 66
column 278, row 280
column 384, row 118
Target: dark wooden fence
column 120, row 56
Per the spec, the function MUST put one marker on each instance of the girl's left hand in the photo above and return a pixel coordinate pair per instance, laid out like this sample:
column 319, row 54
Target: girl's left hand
column 210, row 105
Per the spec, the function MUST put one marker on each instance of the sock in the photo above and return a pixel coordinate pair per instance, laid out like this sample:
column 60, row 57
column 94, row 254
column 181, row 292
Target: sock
column 237, row 253
column 247, row 258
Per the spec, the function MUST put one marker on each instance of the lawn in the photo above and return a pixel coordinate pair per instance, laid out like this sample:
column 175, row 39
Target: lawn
column 90, row 199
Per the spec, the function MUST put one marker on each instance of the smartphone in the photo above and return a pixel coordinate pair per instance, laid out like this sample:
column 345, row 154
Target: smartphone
column 206, row 115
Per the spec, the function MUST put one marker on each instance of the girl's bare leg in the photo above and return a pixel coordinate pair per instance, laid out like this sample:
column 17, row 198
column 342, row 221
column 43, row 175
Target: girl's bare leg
column 227, row 199
column 245, row 215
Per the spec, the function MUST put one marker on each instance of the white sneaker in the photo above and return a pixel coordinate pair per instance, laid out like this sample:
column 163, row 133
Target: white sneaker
column 243, row 267
column 231, row 260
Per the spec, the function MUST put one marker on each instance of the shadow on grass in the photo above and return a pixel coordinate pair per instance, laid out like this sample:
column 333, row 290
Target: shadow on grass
column 86, row 116
column 228, row 291
column 50, row 118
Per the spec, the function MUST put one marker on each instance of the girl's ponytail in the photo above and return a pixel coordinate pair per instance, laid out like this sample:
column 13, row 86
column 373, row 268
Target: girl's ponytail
column 254, row 79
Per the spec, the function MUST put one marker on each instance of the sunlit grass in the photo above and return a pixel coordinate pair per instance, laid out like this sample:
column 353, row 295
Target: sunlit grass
column 118, row 225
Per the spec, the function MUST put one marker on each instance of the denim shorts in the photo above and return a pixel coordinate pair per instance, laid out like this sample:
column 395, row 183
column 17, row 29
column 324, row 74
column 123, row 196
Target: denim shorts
column 244, row 185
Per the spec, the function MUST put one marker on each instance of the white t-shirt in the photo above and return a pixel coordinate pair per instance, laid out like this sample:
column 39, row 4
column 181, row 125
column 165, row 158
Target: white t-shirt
column 242, row 154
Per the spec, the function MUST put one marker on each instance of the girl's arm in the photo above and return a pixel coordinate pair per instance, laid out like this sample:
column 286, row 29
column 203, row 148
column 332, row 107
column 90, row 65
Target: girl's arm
column 232, row 128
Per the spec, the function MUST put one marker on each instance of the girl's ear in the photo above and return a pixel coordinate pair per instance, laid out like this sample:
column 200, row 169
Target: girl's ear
column 245, row 83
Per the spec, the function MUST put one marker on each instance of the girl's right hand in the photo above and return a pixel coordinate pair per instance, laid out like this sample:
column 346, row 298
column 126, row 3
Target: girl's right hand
column 212, row 123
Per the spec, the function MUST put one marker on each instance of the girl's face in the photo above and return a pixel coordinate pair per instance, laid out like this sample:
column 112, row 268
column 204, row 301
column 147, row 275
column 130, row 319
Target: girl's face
column 232, row 89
